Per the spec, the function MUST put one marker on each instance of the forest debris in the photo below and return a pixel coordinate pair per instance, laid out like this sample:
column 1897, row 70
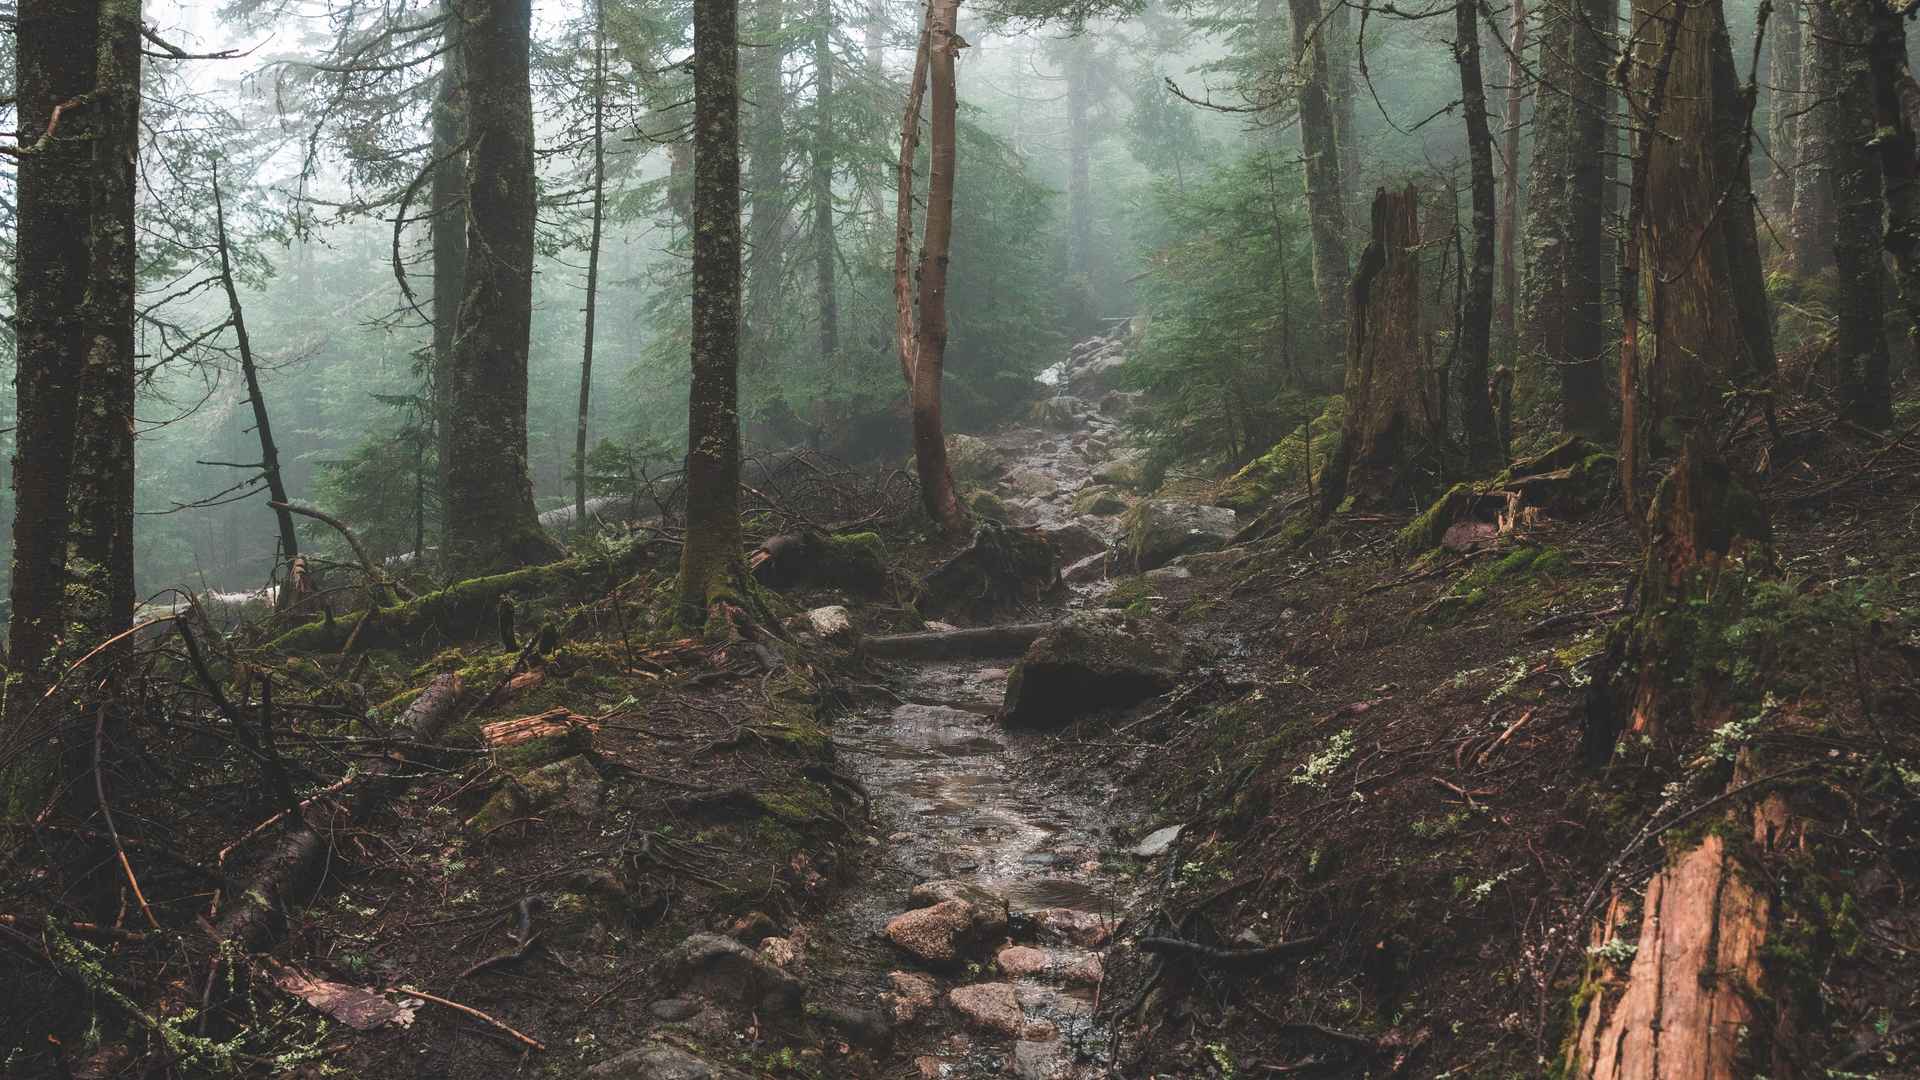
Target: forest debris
column 1501, row 740
column 519, row 1036
column 558, row 720
column 1230, row 958
column 980, row 643
column 359, row 1009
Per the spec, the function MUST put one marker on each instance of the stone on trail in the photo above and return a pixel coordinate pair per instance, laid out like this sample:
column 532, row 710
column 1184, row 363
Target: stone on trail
column 1127, row 469
column 1158, row 841
column 1162, row 530
column 1092, row 660
column 861, row 1027
column 1072, row 926
column 1026, row 962
column 1091, row 568
column 659, row 1061
column 731, row 974
column 1028, row 481
column 1099, row 502
column 941, row 936
column 912, row 994
column 833, row 624
column 1073, row 541
column 989, row 1007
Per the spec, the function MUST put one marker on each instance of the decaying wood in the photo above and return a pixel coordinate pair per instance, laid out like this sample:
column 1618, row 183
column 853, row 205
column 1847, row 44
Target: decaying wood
column 555, row 721
column 977, row 643
column 288, row 874
column 359, row 549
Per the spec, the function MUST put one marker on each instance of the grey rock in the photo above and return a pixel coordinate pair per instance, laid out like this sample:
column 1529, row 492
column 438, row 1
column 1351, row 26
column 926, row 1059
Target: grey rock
column 674, row 1009
column 861, row 1027
column 1158, row 841
column 1162, row 530
column 732, row 974
column 1073, row 541
column 1092, row 660
column 658, row 1061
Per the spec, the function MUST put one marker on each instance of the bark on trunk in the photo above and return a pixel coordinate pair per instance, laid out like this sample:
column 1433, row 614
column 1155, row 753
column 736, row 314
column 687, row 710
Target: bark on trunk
column 710, row 557
column 593, row 265
column 1478, row 423
column 262, row 424
column 449, row 237
column 1853, row 172
column 825, row 292
column 55, row 50
column 1813, row 220
column 1899, row 155
column 1589, row 261
column 1546, row 299
column 930, row 340
column 1387, row 439
column 1702, row 263
column 100, row 548
column 903, row 300
column 1510, row 173
column 1783, row 105
column 766, row 174
column 1081, row 317
column 491, row 520
column 1325, row 180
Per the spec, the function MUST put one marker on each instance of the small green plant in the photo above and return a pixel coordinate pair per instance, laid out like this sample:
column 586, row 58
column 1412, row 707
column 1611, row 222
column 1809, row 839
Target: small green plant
column 1616, row 952
column 1319, row 768
column 1222, row 1059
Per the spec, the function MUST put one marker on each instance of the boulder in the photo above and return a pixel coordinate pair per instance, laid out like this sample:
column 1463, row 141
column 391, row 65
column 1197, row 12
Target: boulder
column 730, row 973
column 1126, row 469
column 1027, row 481
column 1161, row 530
column 1061, row 412
column 856, row 562
column 987, row 506
column 989, row 1007
column 940, row 936
column 1118, row 403
column 1099, row 372
column 1099, row 502
column 1001, row 568
column 659, row 1061
column 861, row 1027
column 1092, row 660
column 973, row 461
column 1073, row 541
column 910, row 994
column 833, row 625
column 1073, row 926
column 1092, row 568
column 1026, row 962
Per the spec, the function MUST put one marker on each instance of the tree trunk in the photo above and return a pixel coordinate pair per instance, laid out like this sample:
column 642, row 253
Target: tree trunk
column 825, row 291
column 55, row 65
column 930, row 340
column 1893, row 83
column 1813, row 220
column 593, row 265
column 1589, row 260
column 1510, row 172
column 269, row 452
column 491, row 521
column 710, row 557
column 1478, row 424
column 1702, row 264
column 903, row 323
column 1783, row 125
column 1081, row 316
column 449, row 236
column 1546, row 299
column 100, row 548
column 1853, row 172
column 1326, row 200
column 1387, row 438
column 766, row 140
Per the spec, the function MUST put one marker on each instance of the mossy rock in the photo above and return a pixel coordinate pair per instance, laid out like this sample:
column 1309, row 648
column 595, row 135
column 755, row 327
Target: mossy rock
column 1099, row 502
column 1283, row 467
column 1089, row 661
column 987, row 506
column 1001, row 568
column 973, row 461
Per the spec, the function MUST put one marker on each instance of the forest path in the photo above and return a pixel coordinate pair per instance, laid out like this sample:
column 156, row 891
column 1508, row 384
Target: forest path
column 971, row 812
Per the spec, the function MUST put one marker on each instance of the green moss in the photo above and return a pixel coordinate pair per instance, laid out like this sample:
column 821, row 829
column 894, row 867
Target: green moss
column 987, row 506
column 1423, row 533
column 1099, row 502
column 1283, row 466
column 1132, row 595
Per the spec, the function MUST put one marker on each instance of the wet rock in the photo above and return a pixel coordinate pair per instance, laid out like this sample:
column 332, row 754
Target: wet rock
column 1168, row 573
column 1099, row 502
column 833, row 625
column 928, row 1067
column 974, row 461
column 658, row 1061
column 674, row 1009
column 1035, row 1059
column 1026, row 962
column 1118, row 403
column 1161, row 530
column 989, row 1007
column 1127, row 469
column 1093, row 377
column 1062, row 412
column 1032, row 482
column 911, row 995
column 861, row 1027
column 941, row 936
column 1092, row 660
column 1073, row 541
column 1158, row 841
column 991, row 905
column 730, row 973
column 753, row 928
column 987, row 506
column 1073, row 926
column 1092, row 568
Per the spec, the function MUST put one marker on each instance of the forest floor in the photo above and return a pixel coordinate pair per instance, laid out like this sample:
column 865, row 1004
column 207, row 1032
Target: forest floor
column 1388, row 860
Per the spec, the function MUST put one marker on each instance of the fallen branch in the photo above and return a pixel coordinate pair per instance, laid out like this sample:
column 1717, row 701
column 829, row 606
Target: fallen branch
column 1168, row 946
column 978, row 643
column 525, row 1039
column 359, row 550
column 106, row 815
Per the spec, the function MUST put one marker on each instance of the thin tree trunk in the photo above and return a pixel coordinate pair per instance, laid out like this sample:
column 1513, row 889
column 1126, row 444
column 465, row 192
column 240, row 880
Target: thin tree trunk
column 930, row 345
column 449, row 237
column 1783, row 127
column 1546, row 300
column 766, row 174
column 823, row 253
column 593, row 265
column 269, row 452
column 1854, row 174
column 491, row 520
column 903, row 301
column 1081, row 316
column 100, row 549
column 710, row 557
column 1510, row 173
column 1326, row 200
column 1479, row 426
column 55, row 66
column 1588, row 261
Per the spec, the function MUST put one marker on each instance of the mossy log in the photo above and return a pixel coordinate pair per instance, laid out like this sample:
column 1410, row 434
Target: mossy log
column 465, row 611
column 1570, row 479
column 289, row 874
column 855, row 562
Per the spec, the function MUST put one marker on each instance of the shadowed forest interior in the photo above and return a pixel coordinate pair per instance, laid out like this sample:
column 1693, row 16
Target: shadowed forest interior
column 1061, row 539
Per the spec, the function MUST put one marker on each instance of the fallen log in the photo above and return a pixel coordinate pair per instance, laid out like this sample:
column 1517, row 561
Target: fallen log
column 289, row 874
column 977, row 643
